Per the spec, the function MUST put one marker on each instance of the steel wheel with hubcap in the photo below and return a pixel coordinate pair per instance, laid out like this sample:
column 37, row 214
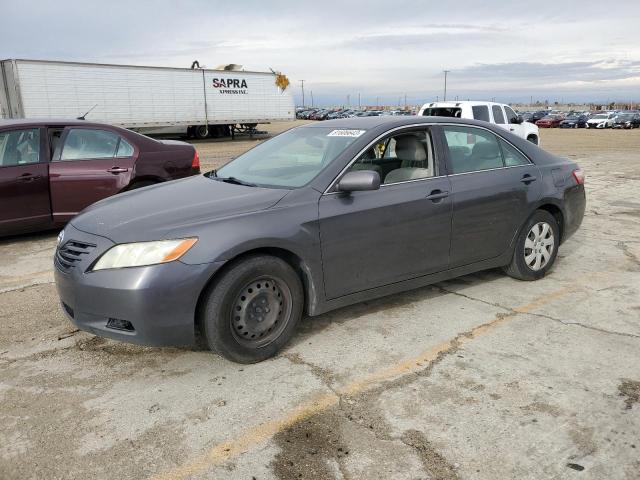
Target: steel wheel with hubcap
column 251, row 310
column 536, row 247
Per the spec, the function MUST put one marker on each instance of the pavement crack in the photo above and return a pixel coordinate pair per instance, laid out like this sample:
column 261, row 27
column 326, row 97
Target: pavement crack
column 322, row 374
column 582, row 325
column 21, row 288
column 541, row 315
column 486, row 302
column 622, row 245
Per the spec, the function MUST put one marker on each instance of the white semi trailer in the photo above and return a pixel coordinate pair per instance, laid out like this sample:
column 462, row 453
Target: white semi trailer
column 154, row 100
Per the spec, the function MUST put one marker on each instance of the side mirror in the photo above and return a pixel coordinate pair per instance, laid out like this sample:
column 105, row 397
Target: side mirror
column 518, row 120
column 359, row 180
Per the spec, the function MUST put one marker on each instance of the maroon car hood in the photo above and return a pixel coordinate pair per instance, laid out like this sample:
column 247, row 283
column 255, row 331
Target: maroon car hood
column 150, row 213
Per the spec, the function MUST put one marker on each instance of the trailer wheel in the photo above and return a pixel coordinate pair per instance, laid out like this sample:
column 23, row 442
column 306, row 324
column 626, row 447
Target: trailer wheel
column 201, row 132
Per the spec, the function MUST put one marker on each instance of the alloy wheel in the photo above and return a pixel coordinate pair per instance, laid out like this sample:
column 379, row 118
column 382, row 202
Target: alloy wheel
column 538, row 246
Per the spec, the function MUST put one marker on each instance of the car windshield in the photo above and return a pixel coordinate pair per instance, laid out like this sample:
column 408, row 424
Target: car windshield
column 290, row 160
column 625, row 116
column 601, row 115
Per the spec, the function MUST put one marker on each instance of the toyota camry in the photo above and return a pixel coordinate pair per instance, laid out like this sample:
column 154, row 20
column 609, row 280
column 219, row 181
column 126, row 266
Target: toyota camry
column 319, row 217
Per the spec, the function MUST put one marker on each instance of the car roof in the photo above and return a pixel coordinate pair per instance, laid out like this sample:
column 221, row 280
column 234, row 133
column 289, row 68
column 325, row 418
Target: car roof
column 10, row 122
column 391, row 121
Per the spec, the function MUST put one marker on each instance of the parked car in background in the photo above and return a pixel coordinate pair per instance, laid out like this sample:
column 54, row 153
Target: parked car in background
column 574, row 121
column 535, row 116
column 627, row 120
column 526, row 116
column 497, row 113
column 379, row 205
column 601, row 120
column 550, row 121
column 50, row 170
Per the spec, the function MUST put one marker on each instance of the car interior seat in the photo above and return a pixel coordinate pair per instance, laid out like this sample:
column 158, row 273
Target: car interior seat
column 486, row 155
column 414, row 162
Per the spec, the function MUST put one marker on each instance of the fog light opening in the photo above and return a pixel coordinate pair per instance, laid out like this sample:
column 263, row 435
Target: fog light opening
column 118, row 324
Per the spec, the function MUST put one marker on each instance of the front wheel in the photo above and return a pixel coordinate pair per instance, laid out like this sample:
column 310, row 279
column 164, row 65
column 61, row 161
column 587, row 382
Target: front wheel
column 253, row 310
column 536, row 247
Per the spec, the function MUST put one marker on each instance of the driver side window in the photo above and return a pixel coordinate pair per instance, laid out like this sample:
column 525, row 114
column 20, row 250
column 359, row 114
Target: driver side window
column 399, row 158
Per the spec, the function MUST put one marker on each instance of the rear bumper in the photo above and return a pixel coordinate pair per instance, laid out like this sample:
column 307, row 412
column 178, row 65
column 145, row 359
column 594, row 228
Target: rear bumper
column 575, row 202
column 159, row 301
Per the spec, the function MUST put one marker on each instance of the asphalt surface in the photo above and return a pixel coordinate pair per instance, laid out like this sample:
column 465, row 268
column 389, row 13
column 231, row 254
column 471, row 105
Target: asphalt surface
column 482, row 377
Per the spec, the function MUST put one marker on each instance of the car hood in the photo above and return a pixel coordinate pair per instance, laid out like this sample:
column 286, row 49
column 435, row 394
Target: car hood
column 597, row 120
column 152, row 212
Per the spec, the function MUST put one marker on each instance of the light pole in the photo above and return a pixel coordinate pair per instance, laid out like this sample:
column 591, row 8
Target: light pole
column 312, row 98
column 302, row 84
column 348, row 100
column 444, row 98
column 359, row 104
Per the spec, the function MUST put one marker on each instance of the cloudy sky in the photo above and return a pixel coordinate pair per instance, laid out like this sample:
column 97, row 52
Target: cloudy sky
column 512, row 50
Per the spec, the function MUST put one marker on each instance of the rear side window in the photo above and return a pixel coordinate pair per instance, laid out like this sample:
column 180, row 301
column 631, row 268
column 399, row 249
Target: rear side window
column 454, row 112
column 481, row 112
column 124, row 149
column 19, row 147
column 87, row 144
column 472, row 149
column 498, row 116
column 512, row 156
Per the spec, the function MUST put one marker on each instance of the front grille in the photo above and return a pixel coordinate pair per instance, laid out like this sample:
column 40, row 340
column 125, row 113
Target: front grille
column 71, row 253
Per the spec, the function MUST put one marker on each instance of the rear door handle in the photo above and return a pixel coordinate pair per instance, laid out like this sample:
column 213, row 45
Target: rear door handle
column 116, row 170
column 437, row 195
column 527, row 179
column 28, row 177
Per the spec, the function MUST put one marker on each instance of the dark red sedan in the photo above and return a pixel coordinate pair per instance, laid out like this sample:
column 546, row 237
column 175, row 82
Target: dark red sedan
column 550, row 121
column 51, row 170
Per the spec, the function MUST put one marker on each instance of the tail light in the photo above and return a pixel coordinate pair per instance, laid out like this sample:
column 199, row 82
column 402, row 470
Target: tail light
column 195, row 163
column 578, row 174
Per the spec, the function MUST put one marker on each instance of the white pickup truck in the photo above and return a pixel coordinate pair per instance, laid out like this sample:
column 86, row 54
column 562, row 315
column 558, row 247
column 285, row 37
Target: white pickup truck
column 498, row 113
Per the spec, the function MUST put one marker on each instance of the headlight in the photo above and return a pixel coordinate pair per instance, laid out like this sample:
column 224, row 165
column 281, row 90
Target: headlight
column 144, row 253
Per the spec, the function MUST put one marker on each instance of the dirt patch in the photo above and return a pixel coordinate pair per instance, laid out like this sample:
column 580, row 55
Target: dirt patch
column 437, row 466
column 310, row 449
column 630, row 389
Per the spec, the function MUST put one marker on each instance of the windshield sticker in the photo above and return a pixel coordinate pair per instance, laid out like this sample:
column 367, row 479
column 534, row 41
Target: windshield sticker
column 346, row 133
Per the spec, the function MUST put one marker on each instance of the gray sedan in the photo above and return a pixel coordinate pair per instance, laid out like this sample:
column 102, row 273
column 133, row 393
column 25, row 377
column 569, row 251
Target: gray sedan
column 319, row 217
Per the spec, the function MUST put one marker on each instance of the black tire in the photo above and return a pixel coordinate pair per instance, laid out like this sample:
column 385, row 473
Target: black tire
column 201, row 132
column 519, row 267
column 533, row 139
column 253, row 310
column 140, row 184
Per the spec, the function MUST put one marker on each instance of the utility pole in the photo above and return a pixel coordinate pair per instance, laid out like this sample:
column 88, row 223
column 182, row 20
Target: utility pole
column 348, row 101
column 405, row 100
column 444, row 98
column 312, row 98
column 377, row 101
column 359, row 104
column 302, row 84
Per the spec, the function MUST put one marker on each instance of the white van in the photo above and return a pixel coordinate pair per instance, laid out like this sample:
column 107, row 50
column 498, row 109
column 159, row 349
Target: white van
column 498, row 113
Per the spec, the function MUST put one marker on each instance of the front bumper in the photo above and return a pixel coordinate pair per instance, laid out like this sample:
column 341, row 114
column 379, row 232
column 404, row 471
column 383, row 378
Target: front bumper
column 159, row 301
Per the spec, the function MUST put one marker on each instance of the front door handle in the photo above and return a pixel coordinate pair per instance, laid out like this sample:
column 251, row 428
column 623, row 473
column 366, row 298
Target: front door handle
column 116, row 170
column 527, row 179
column 437, row 195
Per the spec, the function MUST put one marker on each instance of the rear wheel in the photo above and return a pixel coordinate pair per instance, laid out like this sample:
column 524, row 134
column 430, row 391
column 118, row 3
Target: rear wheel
column 536, row 248
column 252, row 311
column 201, row 132
column 141, row 184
